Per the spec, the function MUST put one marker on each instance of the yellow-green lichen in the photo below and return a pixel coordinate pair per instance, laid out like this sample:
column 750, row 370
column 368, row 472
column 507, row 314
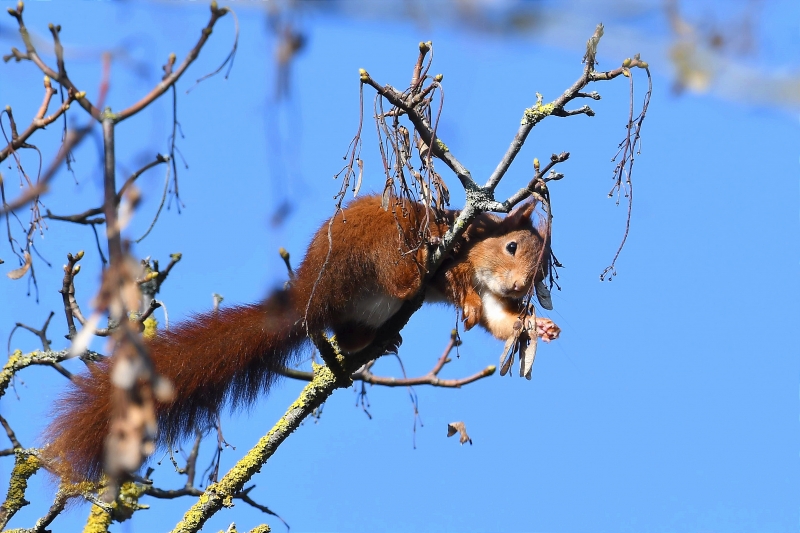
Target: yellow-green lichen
column 122, row 508
column 221, row 493
column 17, row 361
column 443, row 147
column 150, row 327
column 537, row 112
column 8, row 370
column 26, row 465
column 83, row 487
column 108, row 114
column 127, row 502
column 98, row 521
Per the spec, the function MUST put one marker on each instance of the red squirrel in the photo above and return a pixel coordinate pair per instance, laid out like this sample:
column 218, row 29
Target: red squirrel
column 375, row 263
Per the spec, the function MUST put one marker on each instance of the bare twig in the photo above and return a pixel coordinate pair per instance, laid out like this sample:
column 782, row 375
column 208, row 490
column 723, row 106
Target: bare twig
column 32, row 55
column 628, row 149
column 231, row 55
column 11, row 435
column 173, row 76
column 431, row 378
column 74, row 137
column 39, row 121
column 42, row 334
column 67, row 291
column 245, row 497
column 84, row 218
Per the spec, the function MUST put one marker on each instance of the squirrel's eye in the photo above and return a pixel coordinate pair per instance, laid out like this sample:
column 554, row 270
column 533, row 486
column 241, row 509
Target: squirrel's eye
column 511, row 247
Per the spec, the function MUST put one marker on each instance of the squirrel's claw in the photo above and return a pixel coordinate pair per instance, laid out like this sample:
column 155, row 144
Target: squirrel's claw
column 394, row 345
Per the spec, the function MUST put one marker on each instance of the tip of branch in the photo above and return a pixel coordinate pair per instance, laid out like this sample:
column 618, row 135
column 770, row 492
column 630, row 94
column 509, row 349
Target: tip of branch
column 591, row 45
column 218, row 11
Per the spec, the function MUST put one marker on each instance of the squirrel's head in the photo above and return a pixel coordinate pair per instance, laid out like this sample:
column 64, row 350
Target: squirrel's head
column 509, row 261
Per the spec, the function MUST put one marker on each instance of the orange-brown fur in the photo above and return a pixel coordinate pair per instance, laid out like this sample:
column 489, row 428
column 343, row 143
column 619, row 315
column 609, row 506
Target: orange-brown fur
column 375, row 262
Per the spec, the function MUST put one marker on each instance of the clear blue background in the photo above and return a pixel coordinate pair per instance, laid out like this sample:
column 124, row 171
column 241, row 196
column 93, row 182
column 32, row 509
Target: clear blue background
column 670, row 403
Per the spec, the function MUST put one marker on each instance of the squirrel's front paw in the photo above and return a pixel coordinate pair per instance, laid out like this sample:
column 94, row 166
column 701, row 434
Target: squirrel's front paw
column 471, row 315
column 547, row 329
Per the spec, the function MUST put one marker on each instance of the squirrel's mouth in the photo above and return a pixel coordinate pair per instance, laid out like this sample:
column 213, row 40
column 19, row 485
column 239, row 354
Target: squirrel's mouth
column 515, row 294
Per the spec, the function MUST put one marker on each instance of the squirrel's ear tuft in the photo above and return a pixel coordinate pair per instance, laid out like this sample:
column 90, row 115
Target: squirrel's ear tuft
column 521, row 215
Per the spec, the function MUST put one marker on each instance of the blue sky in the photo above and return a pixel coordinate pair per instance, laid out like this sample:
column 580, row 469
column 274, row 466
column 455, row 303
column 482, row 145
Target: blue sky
column 669, row 404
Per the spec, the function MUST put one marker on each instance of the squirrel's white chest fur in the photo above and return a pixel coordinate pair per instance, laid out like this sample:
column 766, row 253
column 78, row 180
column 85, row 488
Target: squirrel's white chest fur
column 496, row 315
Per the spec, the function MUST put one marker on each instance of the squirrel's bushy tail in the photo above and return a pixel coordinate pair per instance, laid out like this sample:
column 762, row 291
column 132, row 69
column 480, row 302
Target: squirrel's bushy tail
column 228, row 356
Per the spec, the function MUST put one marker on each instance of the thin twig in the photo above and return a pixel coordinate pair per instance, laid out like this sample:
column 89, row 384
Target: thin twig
column 174, row 75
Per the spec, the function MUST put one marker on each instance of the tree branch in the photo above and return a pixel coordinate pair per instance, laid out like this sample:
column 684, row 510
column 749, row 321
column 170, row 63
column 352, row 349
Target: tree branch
column 172, row 76
column 32, row 55
column 431, row 378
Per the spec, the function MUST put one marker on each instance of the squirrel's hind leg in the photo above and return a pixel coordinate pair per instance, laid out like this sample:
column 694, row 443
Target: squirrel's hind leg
column 353, row 337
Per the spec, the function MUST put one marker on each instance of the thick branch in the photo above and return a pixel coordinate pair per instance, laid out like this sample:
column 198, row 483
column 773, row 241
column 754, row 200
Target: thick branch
column 221, row 493
column 17, row 361
column 26, row 465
